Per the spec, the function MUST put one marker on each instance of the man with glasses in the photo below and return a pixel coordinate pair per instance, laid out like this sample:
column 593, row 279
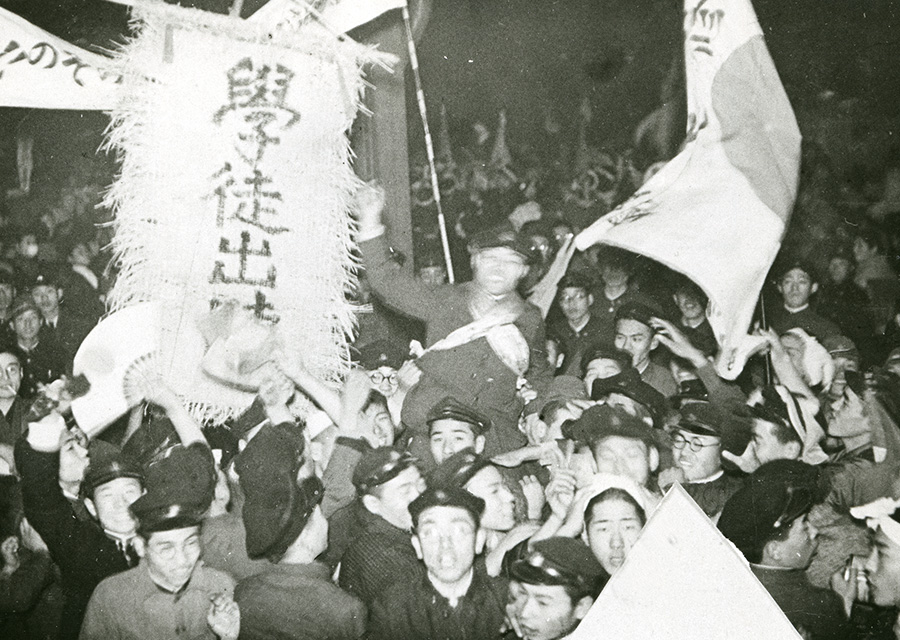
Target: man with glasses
column 578, row 328
column 698, row 440
column 767, row 520
column 386, row 482
column 12, row 409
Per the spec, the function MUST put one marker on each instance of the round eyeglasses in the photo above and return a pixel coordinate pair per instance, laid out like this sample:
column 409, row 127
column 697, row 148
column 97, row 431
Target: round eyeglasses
column 377, row 377
column 680, row 442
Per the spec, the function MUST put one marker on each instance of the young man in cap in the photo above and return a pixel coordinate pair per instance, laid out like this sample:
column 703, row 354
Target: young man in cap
column 295, row 598
column 467, row 470
column 85, row 552
column 622, row 444
column 453, row 599
column 880, row 584
column 452, row 427
column 552, row 589
column 386, row 482
column 767, row 521
column 796, row 283
column 42, row 359
column 170, row 594
column 482, row 337
column 381, row 360
column 58, row 323
column 636, row 335
column 702, row 433
column 578, row 329
column 602, row 361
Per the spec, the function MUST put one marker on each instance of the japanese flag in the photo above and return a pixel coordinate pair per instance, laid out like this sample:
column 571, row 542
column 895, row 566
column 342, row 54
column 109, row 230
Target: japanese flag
column 717, row 211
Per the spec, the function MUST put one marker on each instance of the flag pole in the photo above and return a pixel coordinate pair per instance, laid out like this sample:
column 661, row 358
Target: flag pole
column 765, row 325
column 429, row 145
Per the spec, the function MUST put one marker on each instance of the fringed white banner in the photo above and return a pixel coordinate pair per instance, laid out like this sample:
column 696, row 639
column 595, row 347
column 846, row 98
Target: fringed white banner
column 234, row 194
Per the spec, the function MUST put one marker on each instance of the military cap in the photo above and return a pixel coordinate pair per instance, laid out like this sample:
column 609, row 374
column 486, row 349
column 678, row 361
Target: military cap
column 503, row 236
column 564, row 562
column 279, row 445
column 106, row 464
column 184, row 475
column 629, row 384
column 22, row 304
column 155, row 512
column 603, row 421
column 45, row 278
column 787, row 264
column 458, row 469
column 382, row 353
column 704, row 418
column 452, row 409
column 772, row 498
column 636, row 311
column 561, row 389
column 446, row 497
column 378, row 466
column 604, row 351
column 576, row 280
column 275, row 515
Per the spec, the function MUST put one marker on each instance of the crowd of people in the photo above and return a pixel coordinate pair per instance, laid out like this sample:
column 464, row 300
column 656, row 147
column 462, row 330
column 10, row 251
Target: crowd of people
column 483, row 480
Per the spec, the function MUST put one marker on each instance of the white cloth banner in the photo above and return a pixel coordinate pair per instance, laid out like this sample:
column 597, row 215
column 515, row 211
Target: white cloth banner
column 342, row 15
column 40, row 71
column 234, row 195
column 718, row 210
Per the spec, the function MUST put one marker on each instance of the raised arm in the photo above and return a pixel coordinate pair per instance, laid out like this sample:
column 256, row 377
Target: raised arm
column 396, row 287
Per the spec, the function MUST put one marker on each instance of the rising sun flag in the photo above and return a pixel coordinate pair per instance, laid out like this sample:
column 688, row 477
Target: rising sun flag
column 717, row 211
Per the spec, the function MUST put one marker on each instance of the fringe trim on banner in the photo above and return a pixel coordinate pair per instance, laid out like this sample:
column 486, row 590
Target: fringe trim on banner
column 145, row 187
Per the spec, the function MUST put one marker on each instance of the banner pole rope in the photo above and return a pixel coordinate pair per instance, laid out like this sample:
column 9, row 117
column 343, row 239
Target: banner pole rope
column 429, row 145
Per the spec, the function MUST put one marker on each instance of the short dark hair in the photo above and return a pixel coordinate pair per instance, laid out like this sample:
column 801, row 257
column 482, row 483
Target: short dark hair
column 374, row 398
column 613, row 493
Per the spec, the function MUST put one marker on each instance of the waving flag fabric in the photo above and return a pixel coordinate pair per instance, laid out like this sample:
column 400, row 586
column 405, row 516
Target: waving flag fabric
column 717, row 211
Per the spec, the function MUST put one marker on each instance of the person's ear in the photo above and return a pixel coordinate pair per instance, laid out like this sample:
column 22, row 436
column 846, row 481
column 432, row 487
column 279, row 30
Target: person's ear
column 372, row 503
column 140, row 546
column 590, row 300
column 91, row 507
column 480, row 539
column 654, row 459
column 814, row 288
column 479, row 444
column 771, row 553
column 654, row 342
column 582, row 607
column 417, row 546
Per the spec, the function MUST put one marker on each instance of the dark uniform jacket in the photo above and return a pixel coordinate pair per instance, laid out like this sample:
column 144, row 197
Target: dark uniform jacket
column 819, row 612
column 84, row 554
column 43, row 364
column 298, row 602
column 381, row 555
column 472, row 373
column 812, row 323
column 414, row 610
column 572, row 344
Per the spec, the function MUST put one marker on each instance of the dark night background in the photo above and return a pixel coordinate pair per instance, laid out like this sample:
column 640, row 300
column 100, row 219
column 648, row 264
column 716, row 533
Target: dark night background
column 837, row 59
